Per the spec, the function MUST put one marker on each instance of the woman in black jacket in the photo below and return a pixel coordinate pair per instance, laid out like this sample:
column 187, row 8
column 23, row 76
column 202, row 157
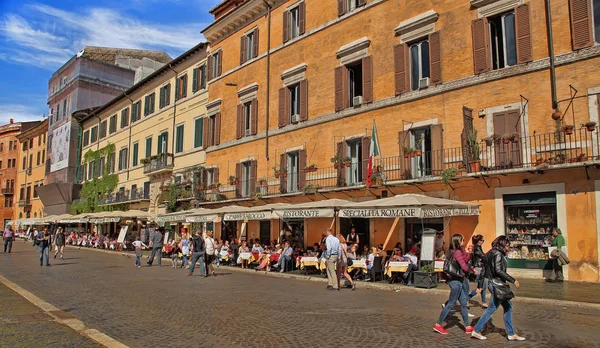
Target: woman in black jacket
column 495, row 272
column 477, row 262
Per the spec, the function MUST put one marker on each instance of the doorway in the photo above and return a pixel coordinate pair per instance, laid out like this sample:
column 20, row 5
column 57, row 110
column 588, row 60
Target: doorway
column 362, row 230
column 229, row 230
column 265, row 231
column 413, row 230
column 294, row 232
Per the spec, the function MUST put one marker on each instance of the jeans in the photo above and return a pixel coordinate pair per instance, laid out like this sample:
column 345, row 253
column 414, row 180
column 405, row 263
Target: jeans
column 459, row 290
column 154, row 251
column 184, row 261
column 493, row 307
column 8, row 243
column 138, row 260
column 282, row 262
column 474, row 292
column 44, row 251
column 332, row 279
column 197, row 256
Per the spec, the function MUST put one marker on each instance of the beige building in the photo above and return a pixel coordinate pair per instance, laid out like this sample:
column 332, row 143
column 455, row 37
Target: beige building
column 146, row 138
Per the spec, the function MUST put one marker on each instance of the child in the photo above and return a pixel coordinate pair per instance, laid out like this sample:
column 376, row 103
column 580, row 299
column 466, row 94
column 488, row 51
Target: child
column 138, row 251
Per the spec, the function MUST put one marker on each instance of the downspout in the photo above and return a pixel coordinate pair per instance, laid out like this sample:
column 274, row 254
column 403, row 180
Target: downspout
column 98, row 135
column 551, row 54
column 174, row 114
column 130, row 126
column 268, row 78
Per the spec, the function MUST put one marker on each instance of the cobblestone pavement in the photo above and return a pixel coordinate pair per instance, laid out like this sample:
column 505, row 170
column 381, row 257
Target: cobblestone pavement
column 24, row 325
column 161, row 307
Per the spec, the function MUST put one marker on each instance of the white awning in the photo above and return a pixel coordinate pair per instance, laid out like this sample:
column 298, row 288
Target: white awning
column 317, row 209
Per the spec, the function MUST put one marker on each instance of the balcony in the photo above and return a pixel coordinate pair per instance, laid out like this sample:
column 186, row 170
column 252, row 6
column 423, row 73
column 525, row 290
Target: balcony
column 25, row 204
column 158, row 164
column 123, row 197
column 8, row 191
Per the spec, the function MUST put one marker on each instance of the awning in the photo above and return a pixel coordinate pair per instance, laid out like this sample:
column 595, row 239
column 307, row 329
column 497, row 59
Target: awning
column 409, row 206
column 261, row 212
column 200, row 214
column 317, row 209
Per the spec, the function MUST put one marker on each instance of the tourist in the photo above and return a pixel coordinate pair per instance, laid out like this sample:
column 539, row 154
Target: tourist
column 235, row 248
column 477, row 261
column 156, row 241
column 243, row 249
column 256, row 248
column 9, row 237
column 458, row 283
column 495, row 272
column 370, row 262
column 399, row 247
column 264, row 261
column 185, row 250
column 397, row 255
column 342, row 266
column 59, row 243
column 44, row 240
column 137, row 244
column 438, row 242
column 286, row 256
column 331, row 255
column 223, row 253
column 366, row 250
column 175, row 251
column 558, row 241
column 209, row 254
column 197, row 254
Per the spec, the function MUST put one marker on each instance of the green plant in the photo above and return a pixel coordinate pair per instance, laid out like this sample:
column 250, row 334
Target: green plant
column 170, row 196
column 448, row 174
column 347, row 160
column 232, row 179
column 473, row 146
column 426, row 268
column 310, row 188
column 92, row 189
column 262, row 181
column 336, row 159
column 407, row 149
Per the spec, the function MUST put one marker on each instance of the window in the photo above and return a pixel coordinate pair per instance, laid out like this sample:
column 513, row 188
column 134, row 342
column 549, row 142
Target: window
column 94, row 134
column 163, row 142
column 111, row 163
column 64, row 112
column 57, row 111
column 24, row 146
column 37, row 162
column 354, row 172
column 345, row 6
column 30, row 161
column 352, row 4
column 135, row 154
column 198, row 132
column 149, row 102
column 181, row 87
column 596, row 7
column 112, row 127
column 355, row 82
column 419, row 63
column 294, row 103
column 22, row 193
column 179, row 139
column 0, row 164
column 292, row 171
column 31, row 143
column 39, row 142
column 1, row 147
column 44, row 139
column 123, row 158
column 214, row 65
column 199, row 79
column 43, row 155
column 247, row 118
column 101, row 165
column 136, row 111
column 294, row 23
column 86, row 138
column 24, row 163
column 148, row 147
column 8, row 202
column 246, row 179
column 165, row 96
column 249, row 46
column 90, row 170
column 124, row 118
column 503, row 40
column 102, row 129
column 212, row 129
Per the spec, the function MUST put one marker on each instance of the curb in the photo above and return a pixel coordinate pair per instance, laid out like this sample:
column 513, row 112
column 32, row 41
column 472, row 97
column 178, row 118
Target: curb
column 383, row 287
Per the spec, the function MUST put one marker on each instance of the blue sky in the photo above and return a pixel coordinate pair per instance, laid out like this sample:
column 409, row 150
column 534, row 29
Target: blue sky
column 37, row 37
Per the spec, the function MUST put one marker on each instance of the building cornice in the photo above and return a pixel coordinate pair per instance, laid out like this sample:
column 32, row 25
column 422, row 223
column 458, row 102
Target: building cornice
column 416, row 22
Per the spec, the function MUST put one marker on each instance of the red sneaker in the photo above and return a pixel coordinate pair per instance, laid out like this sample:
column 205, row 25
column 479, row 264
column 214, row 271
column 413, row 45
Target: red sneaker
column 440, row 329
column 468, row 330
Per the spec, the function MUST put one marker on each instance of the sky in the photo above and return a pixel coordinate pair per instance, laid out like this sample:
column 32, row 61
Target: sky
column 38, row 37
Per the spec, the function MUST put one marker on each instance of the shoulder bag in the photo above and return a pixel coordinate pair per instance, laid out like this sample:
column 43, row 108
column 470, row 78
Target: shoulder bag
column 502, row 291
column 452, row 268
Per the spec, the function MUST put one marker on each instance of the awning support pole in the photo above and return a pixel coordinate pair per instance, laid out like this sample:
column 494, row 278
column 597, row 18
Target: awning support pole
column 387, row 239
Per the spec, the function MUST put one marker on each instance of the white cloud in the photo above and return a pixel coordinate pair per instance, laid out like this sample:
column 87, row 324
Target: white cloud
column 19, row 113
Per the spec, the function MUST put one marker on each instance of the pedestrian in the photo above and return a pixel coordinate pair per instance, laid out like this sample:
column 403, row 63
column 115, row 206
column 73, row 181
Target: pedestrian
column 185, row 250
column 342, row 267
column 137, row 244
column 59, row 243
column 197, row 254
column 495, row 271
column 175, row 250
column 331, row 255
column 44, row 240
column 9, row 237
column 156, row 241
column 558, row 241
column 209, row 253
column 477, row 261
column 457, row 268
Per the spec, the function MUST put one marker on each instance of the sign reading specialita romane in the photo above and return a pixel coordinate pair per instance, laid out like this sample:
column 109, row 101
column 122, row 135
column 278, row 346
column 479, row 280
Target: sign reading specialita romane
column 382, row 213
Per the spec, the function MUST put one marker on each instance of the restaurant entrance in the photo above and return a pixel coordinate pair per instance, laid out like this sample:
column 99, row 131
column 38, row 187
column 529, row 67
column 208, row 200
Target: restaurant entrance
column 413, row 230
column 362, row 230
column 265, row 231
column 229, row 230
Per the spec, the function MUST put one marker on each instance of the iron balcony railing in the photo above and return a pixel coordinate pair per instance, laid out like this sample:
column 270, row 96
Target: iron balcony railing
column 122, row 197
column 24, row 203
column 8, row 190
column 156, row 163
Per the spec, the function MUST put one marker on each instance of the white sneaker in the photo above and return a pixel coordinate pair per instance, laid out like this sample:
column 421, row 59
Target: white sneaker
column 471, row 315
column 516, row 337
column 478, row 336
column 443, row 305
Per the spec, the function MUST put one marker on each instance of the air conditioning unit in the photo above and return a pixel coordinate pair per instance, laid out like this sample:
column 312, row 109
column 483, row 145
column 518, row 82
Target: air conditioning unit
column 424, row 82
column 248, row 132
column 28, row 171
column 357, row 101
column 295, row 118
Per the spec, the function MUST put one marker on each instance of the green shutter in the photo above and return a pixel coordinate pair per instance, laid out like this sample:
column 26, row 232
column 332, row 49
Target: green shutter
column 194, row 80
column 148, row 147
column 177, row 82
column 135, row 154
column 198, row 131
column 179, row 147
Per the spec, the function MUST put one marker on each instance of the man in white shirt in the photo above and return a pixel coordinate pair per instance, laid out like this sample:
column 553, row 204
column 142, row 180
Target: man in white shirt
column 331, row 255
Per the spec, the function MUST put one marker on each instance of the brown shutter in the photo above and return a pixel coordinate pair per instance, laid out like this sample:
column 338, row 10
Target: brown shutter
column 253, row 167
column 435, row 58
column 581, row 23
column 238, row 175
column 366, row 151
column 341, row 7
column 302, row 18
column 240, row 122
column 210, row 68
column 216, row 175
column 341, row 171
column 254, row 118
column 362, row 2
column 437, row 150
column 405, row 163
column 301, row 166
column 286, row 29
column 205, row 133
column 303, row 100
column 513, row 126
column 287, row 106
column 481, row 46
column 500, row 149
column 367, row 77
column 339, row 88
column 255, row 44
column 282, row 101
column 242, row 49
column 218, row 128
column 400, row 68
column 282, row 166
column 523, row 30
column 204, row 177
column 220, row 67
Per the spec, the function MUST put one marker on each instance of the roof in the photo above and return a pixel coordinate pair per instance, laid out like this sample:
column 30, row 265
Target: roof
column 41, row 127
column 17, row 126
column 222, row 4
column 82, row 117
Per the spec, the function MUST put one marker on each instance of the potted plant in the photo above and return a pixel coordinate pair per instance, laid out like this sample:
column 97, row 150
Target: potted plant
column 506, row 138
column 448, row 174
column 376, row 180
column 406, row 151
column 337, row 162
column 514, row 137
column 233, row 180
column 590, row 126
column 200, row 187
column 556, row 115
column 568, row 129
column 283, row 173
column 425, row 277
column 473, row 147
column 309, row 189
column 418, row 143
column 378, row 169
column 310, row 168
column 582, row 157
column 263, row 182
column 489, row 141
column 348, row 161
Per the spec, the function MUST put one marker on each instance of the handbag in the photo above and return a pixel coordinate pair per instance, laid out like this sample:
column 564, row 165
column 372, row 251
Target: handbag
column 502, row 291
column 452, row 268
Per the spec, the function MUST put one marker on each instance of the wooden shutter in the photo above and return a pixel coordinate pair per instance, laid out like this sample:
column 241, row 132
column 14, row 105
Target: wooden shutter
column 282, row 102
column 238, row 175
column 481, row 45
column 339, row 90
column 195, row 80
column 286, row 28
column 253, row 167
column 581, row 23
column 301, row 166
column 367, row 77
column 215, row 175
column 366, row 151
column 435, row 58
column 282, row 166
column 405, row 163
column 302, row 18
column 341, row 171
column 513, row 126
column 500, row 149
column 205, row 133
column 240, row 122
column 177, row 88
column 523, row 30
column 255, row 44
column 303, row 100
column 184, row 86
column 401, row 68
column 220, row 63
column 287, row 107
column 204, row 177
column 242, row 49
column 341, row 7
column 437, row 150
column 467, row 129
column 210, row 68
column 218, row 128
column 254, row 117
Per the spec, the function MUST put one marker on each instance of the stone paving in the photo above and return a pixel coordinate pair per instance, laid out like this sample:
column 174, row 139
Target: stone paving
column 161, row 307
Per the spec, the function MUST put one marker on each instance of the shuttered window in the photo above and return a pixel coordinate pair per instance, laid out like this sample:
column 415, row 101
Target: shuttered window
column 136, row 111
column 162, row 142
column 113, row 124
column 249, row 46
column 149, row 103
column 148, row 147
column 199, row 79
column 134, row 154
column 198, row 132
column 585, row 21
column 419, row 65
column 86, row 138
column 354, row 84
column 124, row 117
column 214, row 65
column 103, row 129
column 179, row 139
column 165, row 96
column 123, row 159
column 294, row 22
column 181, row 87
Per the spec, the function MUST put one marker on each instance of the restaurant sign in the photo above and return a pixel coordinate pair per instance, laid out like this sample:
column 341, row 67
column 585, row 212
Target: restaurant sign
column 441, row 212
column 171, row 218
column 304, row 213
column 105, row 220
column 247, row 216
column 412, row 212
column 202, row 218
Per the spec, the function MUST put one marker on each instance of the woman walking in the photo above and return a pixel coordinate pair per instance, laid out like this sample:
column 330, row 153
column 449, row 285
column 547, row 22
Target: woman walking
column 477, row 261
column 185, row 250
column 495, row 271
column 343, row 263
column 209, row 255
column 459, row 285
column 59, row 243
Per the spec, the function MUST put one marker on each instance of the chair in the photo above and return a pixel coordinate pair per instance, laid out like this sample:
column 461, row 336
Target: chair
column 377, row 268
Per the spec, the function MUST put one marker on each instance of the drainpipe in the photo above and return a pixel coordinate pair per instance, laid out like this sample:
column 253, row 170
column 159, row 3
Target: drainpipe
column 174, row 114
column 98, row 135
column 551, row 54
column 130, row 126
column 268, row 78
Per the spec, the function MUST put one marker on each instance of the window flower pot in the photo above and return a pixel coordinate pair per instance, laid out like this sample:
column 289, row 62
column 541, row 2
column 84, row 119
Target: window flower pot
column 425, row 280
column 406, row 155
column 412, row 154
column 556, row 115
column 419, row 152
column 568, row 129
column 515, row 138
column 590, row 127
column 475, row 166
column 348, row 164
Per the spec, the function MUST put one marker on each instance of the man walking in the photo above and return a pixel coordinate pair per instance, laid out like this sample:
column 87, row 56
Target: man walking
column 44, row 240
column 198, row 247
column 9, row 237
column 156, row 241
column 331, row 255
column 59, row 242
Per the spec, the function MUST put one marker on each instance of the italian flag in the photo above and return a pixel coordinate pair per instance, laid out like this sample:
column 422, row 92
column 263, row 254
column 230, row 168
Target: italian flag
column 374, row 151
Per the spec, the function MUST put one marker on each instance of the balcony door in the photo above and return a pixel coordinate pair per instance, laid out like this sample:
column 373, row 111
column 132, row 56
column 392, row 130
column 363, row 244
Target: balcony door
column 421, row 144
column 162, row 142
column 507, row 154
column 354, row 173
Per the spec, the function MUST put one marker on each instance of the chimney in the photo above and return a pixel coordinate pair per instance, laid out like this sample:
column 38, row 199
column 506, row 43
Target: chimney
column 12, row 121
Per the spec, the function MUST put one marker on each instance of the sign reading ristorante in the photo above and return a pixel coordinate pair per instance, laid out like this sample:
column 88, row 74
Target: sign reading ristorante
column 304, row 213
